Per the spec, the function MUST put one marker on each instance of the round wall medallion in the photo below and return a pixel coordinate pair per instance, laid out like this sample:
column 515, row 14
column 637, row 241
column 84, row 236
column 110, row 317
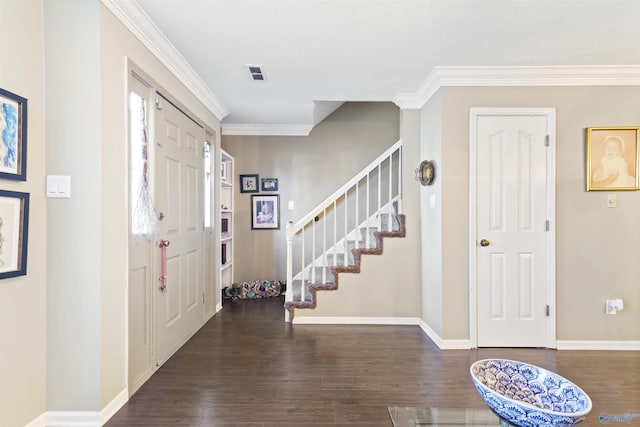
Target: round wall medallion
column 425, row 173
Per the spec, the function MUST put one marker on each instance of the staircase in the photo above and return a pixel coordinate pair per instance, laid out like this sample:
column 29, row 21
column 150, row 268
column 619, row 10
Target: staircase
column 352, row 222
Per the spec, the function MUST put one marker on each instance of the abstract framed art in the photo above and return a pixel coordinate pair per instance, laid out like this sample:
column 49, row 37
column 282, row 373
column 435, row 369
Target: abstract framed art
column 13, row 136
column 14, row 231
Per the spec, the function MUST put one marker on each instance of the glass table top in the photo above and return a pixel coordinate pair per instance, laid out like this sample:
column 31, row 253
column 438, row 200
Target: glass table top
column 416, row 417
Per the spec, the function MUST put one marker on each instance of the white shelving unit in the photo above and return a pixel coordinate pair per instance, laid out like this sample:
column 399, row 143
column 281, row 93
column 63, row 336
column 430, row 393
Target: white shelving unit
column 226, row 219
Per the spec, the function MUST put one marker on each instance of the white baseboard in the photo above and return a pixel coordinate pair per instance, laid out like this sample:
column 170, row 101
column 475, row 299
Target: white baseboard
column 41, row 421
column 114, row 406
column 597, row 345
column 304, row 320
column 81, row 418
column 73, row 419
column 218, row 307
column 444, row 344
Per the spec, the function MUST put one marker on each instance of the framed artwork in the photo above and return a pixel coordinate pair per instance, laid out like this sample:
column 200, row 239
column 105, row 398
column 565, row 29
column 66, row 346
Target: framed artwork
column 269, row 184
column 13, row 136
column 249, row 183
column 265, row 212
column 223, row 171
column 14, row 227
column 612, row 158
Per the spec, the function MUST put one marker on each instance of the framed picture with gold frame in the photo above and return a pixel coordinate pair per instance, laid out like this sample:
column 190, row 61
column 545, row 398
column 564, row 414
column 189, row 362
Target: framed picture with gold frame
column 612, row 158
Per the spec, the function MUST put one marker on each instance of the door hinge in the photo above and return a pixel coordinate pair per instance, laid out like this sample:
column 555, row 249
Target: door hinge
column 158, row 103
column 547, row 141
column 203, row 299
column 547, row 310
column 547, row 225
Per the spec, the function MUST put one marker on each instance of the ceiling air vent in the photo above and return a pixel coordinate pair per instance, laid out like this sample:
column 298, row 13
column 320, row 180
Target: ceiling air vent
column 256, row 72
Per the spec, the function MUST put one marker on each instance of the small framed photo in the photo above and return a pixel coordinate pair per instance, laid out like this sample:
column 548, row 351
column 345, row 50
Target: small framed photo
column 249, row 183
column 13, row 136
column 265, row 212
column 223, row 171
column 14, row 227
column 612, row 158
column 269, row 184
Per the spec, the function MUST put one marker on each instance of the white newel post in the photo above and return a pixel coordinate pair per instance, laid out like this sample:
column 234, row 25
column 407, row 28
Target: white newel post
column 289, row 292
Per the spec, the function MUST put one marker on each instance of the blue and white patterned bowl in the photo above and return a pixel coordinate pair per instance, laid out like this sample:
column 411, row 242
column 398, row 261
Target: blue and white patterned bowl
column 529, row 396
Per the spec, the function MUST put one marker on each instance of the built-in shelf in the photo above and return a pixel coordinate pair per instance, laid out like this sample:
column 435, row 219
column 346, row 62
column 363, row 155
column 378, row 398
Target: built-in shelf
column 225, row 220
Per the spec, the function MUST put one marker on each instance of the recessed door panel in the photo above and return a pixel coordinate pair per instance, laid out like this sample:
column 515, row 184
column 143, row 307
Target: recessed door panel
column 511, row 213
column 179, row 160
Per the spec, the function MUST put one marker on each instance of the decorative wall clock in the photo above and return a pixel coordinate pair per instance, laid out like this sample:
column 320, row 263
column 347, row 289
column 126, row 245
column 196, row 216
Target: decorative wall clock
column 425, row 173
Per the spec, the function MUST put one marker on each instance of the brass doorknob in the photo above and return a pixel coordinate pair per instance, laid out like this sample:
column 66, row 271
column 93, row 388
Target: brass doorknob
column 484, row 242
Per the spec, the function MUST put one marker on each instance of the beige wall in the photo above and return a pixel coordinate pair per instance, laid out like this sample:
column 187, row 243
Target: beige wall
column 431, row 218
column 309, row 169
column 23, row 299
column 596, row 247
column 386, row 288
column 73, row 224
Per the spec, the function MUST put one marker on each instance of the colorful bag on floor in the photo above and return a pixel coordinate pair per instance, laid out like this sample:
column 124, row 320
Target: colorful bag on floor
column 254, row 289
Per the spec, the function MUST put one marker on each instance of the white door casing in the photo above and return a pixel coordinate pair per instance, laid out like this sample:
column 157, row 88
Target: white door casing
column 179, row 201
column 141, row 281
column 512, row 283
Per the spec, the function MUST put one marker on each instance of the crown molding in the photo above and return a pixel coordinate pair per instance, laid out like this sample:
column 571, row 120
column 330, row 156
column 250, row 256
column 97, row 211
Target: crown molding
column 139, row 23
column 266, row 129
column 577, row 75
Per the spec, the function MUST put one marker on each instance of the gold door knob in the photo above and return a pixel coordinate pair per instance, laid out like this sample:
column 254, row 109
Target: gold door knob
column 484, row 242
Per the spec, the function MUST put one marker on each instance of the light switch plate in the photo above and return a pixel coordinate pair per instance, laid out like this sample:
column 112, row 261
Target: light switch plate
column 59, row 186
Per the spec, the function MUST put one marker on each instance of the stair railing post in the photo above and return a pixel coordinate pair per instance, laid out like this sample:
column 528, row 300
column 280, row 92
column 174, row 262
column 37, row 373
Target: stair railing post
column 367, row 216
column 346, row 229
column 390, row 217
column 289, row 291
column 400, row 180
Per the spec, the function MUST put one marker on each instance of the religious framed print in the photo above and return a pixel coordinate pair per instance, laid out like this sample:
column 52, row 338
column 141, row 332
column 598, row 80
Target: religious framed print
column 612, row 158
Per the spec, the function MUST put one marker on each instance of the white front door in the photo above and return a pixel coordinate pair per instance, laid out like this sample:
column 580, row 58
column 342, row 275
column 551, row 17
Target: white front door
column 179, row 203
column 513, row 242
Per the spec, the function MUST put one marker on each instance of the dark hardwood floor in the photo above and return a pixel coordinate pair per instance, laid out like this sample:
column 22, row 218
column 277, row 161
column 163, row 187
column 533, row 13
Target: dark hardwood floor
column 247, row 367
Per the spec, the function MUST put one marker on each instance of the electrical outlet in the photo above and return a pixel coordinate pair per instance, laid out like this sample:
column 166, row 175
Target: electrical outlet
column 612, row 306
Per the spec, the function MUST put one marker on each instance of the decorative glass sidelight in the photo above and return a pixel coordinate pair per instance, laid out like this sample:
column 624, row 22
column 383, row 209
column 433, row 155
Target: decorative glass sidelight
column 144, row 221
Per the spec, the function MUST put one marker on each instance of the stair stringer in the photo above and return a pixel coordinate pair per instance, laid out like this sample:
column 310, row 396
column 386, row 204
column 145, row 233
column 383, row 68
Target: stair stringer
column 355, row 268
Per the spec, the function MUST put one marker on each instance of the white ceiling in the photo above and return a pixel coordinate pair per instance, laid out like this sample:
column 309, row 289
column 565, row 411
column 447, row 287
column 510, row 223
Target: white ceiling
column 317, row 54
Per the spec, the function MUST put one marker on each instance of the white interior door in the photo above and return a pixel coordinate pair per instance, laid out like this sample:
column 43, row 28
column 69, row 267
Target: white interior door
column 179, row 203
column 513, row 241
